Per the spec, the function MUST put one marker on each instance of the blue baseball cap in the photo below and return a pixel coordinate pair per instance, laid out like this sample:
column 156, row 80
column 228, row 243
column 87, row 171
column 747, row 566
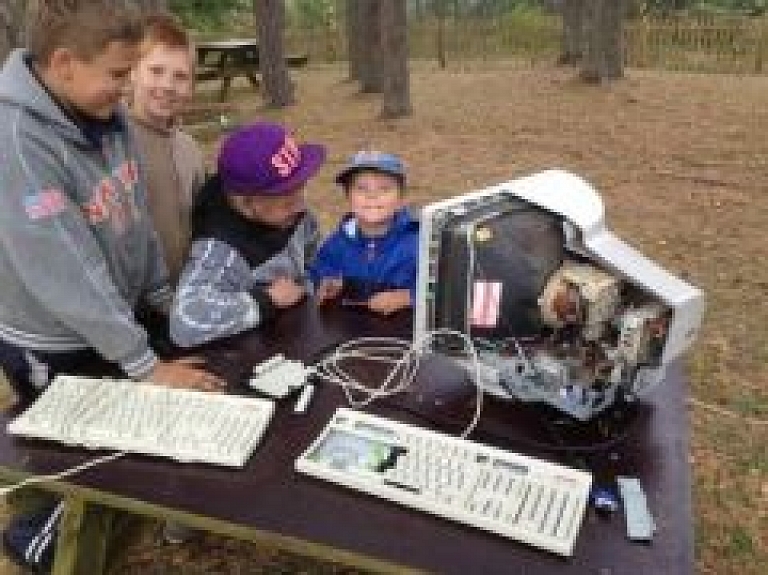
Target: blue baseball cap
column 372, row 160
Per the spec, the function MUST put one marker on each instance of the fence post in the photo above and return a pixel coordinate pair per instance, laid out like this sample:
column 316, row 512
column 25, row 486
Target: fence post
column 761, row 44
column 644, row 30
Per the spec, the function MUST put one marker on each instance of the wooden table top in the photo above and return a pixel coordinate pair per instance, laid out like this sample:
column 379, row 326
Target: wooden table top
column 269, row 496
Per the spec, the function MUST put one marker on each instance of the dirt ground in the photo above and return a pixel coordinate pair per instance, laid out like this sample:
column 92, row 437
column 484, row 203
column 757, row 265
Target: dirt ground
column 681, row 161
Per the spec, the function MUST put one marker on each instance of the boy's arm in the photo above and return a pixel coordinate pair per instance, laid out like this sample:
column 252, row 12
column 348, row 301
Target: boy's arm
column 216, row 296
column 159, row 294
column 51, row 250
column 390, row 301
column 326, row 263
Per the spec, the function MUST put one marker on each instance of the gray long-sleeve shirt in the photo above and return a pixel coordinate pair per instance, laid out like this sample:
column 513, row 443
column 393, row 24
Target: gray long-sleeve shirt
column 77, row 248
column 221, row 294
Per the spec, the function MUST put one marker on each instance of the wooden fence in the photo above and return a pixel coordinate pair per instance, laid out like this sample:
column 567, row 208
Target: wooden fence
column 736, row 45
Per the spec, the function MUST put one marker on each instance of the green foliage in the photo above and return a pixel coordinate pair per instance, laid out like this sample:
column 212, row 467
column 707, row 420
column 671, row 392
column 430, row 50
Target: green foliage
column 209, row 15
column 311, row 13
column 753, row 7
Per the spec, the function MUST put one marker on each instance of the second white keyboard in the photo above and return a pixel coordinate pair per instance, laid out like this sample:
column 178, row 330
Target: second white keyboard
column 526, row 499
column 185, row 425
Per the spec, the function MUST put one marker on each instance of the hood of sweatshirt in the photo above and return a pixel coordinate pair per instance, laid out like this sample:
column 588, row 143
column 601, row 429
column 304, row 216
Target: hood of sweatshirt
column 20, row 87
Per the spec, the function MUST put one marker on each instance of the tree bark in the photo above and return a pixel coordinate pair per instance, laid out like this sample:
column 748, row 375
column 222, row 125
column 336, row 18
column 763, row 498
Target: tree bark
column 278, row 87
column 396, row 101
column 11, row 26
column 573, row 37
column 604, row 55
column 439, row 8
column 370, row 46
column 354, row 30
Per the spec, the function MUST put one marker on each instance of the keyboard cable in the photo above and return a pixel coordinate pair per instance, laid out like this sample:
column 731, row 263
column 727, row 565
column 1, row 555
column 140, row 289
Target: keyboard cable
column 404, row 357
column 35, row 479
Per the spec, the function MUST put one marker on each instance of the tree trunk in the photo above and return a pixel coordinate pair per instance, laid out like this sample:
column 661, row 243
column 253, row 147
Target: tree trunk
column 604, row 56
column 370, row 46
column 11, row 26
column 439, row 7
column 573, row 37
column 278, row 87
column 396, row 101
column 354, row 38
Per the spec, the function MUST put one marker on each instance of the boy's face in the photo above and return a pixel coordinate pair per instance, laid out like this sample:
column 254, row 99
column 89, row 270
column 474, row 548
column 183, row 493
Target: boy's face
column 162, row 84
column 94, row 87
column 276, row 211
column 374, row 197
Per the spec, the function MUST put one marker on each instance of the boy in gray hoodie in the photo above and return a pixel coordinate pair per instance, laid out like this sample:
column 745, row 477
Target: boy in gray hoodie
column 78, row 252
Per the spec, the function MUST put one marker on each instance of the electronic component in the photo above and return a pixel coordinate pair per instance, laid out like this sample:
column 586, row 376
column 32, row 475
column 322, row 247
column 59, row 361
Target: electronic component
column 604, row 500
column 580, row 294
column 304, row 398
column 562, row 311
column 640, row 523
column 519, row 497
column 278, row 376
column 146, row 418
column 268, row 364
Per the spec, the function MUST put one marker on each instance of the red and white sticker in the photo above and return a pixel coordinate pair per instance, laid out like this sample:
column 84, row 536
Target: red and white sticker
column 44, row 204
column 486, row 303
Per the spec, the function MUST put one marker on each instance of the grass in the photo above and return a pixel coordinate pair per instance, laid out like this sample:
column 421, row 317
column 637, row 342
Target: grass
column 681, row 161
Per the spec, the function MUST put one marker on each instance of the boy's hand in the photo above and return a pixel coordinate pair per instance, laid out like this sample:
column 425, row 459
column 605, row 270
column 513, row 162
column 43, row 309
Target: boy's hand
column 285, row 292
column 388, row 302
column 329, row 289
column 187, row 374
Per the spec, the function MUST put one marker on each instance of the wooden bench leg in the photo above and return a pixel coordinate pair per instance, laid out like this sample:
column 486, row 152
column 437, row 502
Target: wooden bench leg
column 83, row 537
column 226, row 82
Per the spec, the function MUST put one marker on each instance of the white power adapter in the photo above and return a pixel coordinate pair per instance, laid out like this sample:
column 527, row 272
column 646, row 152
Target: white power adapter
column 278, row 376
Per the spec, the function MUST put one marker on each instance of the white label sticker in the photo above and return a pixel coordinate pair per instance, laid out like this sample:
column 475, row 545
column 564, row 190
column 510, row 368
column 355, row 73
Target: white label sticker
column 486, row 303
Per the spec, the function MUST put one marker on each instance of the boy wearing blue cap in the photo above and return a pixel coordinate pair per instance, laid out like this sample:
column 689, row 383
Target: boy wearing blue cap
column 372, row 258
column 252, row 236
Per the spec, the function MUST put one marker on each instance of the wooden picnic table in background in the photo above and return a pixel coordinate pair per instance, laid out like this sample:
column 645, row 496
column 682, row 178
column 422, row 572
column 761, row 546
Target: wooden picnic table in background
column 226, row 59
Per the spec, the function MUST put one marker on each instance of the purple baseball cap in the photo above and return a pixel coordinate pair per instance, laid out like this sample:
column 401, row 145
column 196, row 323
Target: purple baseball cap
column 264, row 159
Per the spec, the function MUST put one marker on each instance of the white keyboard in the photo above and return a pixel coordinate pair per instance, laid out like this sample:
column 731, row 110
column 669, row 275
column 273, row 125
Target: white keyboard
column 185, row 425
column 525, row 499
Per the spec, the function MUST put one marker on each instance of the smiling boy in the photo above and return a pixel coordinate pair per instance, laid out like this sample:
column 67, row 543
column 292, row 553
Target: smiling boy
column 161, row 85
column 77, row 249
column 252, row 236
column 371, row 260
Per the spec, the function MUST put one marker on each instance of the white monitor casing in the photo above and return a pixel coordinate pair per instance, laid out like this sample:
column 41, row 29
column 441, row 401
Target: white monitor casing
column 583, row 215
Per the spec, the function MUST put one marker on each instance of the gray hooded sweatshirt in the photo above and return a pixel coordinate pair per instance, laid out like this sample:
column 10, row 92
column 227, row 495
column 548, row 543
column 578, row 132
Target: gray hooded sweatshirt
column 77, row 248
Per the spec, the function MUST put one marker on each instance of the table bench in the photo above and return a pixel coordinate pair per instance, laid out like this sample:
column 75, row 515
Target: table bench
column 224, row 60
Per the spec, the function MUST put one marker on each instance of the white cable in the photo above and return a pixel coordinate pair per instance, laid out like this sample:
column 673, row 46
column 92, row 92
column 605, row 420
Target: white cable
column 404, row 358
column 61, row 475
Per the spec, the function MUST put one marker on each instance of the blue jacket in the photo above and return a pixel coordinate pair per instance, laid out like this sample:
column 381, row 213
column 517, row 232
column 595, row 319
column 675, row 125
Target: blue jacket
column 370, row 265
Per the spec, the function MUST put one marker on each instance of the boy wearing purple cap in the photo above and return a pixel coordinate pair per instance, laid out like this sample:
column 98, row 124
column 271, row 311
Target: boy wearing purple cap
column 252, row 236
column 372, row 258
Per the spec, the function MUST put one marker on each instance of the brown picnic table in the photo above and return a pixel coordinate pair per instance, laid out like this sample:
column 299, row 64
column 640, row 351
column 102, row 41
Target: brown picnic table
column 269, row 503
column 224, row 60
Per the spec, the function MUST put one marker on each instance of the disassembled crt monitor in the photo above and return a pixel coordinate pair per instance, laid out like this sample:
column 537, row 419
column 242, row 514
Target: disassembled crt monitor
column 560, row 310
